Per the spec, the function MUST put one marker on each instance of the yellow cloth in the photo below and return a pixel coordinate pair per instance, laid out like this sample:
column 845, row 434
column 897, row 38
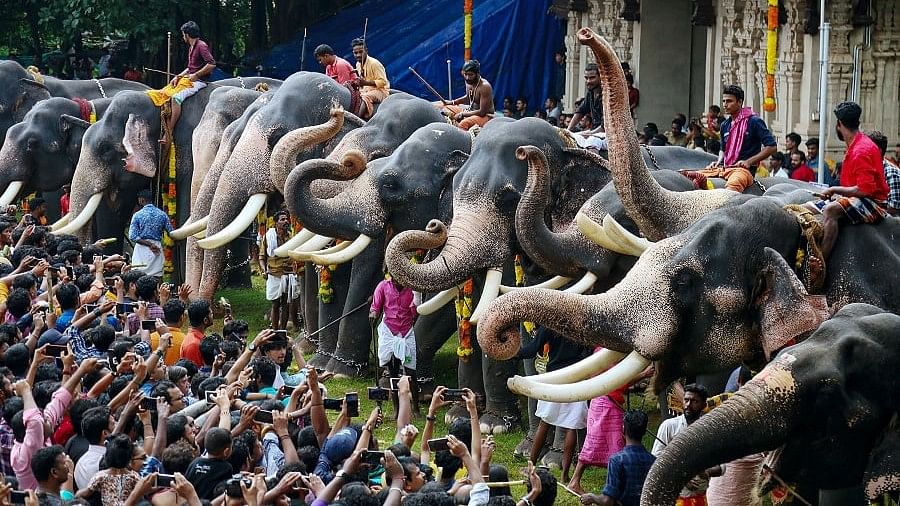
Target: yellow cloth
column 276, row 265
column 4, row 292
column 160, row 97
column 174, row 351
column 373, row 70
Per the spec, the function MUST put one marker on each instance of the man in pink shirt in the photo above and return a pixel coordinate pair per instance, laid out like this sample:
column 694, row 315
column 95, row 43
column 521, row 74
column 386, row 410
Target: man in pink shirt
column 336, row 67
column 396, row 337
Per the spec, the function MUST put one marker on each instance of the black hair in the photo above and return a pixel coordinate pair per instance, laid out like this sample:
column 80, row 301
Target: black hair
column 231, row 349
column 102, row 336
column 322, row 50
column 191, row 29
column 359, row 41
column 132, row 277
column 735, row 91
column 12, row 406
column 44, row 460
column 591, row 67
column 91, row 378
column 794, row 136
column 848, row 113
column 18, row 303
column 307, row 436
column 209, row 348
column 209, row 384
column 43, row 392
column 198, row 312
column 812, row 141
column 801, row 154
column 177, row 457
column 472, row 66
column 173, row 310
column 713, row 146
column 635, row 424
column 175, row 426
column 197, row 383
column 21, row 252
column 778, row 155
column 47, row 372
column 501, row 500
column 120, row 348
column 9, row 333
column 400, row 450
column 35, row 202
column 429, row 499
column 83, row 281
column 548, row 488
column 498, row 473
column 119, row 451
column 698, row 389
column 94, row 422
column 161, row 389
column 187, row 364
column 217, row 441
column 309, row 455
column 18, row 426
column 240, row 455
column 68, row 296
column 17, row 358
column 234, row 328
column 880, row 140
column 88, row 254
column 146, row 288
column 265, row 370
column 175, row 373
column 77, row 411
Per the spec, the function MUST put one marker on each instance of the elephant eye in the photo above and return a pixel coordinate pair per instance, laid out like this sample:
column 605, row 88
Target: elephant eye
column 32, row 144
column 683, row 280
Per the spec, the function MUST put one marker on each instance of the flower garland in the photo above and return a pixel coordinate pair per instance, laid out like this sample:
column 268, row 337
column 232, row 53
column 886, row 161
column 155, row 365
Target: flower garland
column 169, row 201
column 520, row 281
column 326, row 291
column 771, row 55
column 467, row 30
column 463, row 313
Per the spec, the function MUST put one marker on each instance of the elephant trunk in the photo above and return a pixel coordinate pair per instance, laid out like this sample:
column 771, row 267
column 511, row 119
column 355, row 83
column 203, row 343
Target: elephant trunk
column 343, row 215
column 285, row 152
column 756, row 419
column 476, row 240
column 89, row 184
column 554, row 252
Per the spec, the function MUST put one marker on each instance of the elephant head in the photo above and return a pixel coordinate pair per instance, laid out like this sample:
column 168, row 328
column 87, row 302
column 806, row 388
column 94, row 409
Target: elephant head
column 486, row 192
column 825, row 404
column 402, row 190
column 19, row 92
column 42, row 150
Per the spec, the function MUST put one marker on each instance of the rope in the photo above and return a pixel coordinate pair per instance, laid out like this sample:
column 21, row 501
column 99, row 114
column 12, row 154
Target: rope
column 241, row 80
column 100, row 87
column 84, row 108
column 809, row 261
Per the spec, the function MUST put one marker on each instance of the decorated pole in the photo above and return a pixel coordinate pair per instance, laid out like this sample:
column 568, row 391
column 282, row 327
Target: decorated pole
column 169, row 53
column 771, row 56
column 824, row 31
column 467, row 30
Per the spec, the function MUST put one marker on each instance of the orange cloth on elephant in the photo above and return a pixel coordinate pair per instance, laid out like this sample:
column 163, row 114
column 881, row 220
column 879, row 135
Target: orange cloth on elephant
column 696, row 500
column 470, row 121
column 736, row 178
column 160, row 97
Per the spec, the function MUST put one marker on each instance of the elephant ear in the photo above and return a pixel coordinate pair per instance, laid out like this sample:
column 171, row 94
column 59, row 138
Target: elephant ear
column 582, row 174
column 786, row 311
column 68, row 122
column 31, row 92
column 455, row 161
column 883, row 474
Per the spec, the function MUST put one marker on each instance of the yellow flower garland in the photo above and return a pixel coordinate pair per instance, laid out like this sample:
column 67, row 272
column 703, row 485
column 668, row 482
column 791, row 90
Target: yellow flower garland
column 771, row 55
column 169, row 193
column 463, row 313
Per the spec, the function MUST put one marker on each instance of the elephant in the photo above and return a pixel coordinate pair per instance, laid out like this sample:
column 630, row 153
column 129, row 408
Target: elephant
column 719, row 291
column 823, row 407
column 40, row 152
column 120, row 157
column 20, row 90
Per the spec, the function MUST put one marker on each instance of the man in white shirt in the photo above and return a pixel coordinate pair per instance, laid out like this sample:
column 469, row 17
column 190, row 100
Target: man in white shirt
column 97, row 425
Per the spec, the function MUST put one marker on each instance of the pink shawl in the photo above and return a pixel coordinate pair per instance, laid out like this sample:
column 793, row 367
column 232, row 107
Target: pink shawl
column 736, row 137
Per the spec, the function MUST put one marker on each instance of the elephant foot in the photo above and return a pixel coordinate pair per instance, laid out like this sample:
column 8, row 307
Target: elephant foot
column 457, row 411
column 553, row 458
column 523, row 449
column 307, row 347
column 426, row 391
column 318, row 361
column 500, row 422
column 342, row 370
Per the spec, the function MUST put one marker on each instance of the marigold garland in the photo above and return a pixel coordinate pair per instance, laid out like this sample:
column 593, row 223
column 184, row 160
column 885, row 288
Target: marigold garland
column 169, row 193
column 771, row 55
column 463, row 313
column 326, row 291
column 467, row 29
column 520, row 281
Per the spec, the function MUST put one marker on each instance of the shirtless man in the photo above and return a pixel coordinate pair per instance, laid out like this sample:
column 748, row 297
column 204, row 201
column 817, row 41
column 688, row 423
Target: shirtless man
column 479, row 99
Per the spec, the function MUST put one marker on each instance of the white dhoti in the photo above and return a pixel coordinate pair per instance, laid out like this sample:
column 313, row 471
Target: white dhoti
column 276, row 286
column 153, row 262
column 392, row 345
column 591, row 141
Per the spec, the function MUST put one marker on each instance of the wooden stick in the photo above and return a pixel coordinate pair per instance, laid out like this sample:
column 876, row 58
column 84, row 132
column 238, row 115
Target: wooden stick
column 567, row 489
column 430, row 88
column 498, row 484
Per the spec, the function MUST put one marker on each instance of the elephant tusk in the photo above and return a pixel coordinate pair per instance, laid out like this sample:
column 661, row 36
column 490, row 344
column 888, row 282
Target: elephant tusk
column 200, row 235
column 577, row 371
column 356, row 247
column 61, row 223
column 77, row 223
column 552, row 283
column 630, row 243
column 305, row 256
column 10, row 193
column 294, row 242
column 584, row 284
column 237, row 226
column 190, row 228
column 491, row 289
column 620, row 374
column 439, row 300
column 313, row 245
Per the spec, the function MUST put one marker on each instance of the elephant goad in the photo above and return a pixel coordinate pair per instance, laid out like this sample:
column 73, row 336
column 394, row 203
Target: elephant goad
column 40, row 152
column 399, row 192
column 823, row 405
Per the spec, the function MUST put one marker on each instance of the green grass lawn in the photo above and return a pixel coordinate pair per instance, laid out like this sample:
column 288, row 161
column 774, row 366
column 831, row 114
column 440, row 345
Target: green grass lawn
column 251, row 305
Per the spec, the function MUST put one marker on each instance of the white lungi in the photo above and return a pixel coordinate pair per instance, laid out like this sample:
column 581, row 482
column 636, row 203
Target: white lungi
column 146, row 256
column 568, row 415
column 276, row 286
column 392, row 345
column 591, row 141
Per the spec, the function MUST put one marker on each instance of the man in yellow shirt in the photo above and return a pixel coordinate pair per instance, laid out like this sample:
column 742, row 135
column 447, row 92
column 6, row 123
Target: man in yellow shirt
column 174, row 316
column 373, row 81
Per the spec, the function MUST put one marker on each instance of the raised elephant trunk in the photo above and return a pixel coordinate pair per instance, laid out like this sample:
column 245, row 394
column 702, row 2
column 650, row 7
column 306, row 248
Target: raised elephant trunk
column 658, row 212
column 756, row 419
column 344, row 215
column 285, row 152
column 474, row 241
column 88, row 187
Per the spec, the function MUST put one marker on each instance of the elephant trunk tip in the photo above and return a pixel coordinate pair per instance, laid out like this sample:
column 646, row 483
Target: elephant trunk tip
column 355, row 160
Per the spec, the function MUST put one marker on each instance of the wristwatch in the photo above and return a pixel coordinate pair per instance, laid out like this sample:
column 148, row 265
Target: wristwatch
column 251, row 347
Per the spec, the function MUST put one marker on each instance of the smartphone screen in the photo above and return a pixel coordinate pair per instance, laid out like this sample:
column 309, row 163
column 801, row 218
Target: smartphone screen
column 379, row 394
column 372, row 457
column 148, row 325
column 453, row 394
column 332, row 404
column 149, row 403
column 286, row 390
column 113, row 362
column 352, row 399
column 165, row 480
column 436, row 445
column 209, row 396
column 125, row 308
column 18, row 496
column 263, row 416
column 55, row 350
column 394, row 383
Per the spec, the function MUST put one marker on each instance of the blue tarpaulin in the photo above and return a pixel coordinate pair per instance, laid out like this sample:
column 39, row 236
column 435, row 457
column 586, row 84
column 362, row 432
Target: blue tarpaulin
column 513, row 39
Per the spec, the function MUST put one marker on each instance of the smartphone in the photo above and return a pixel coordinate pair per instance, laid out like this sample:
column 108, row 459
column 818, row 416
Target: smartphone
column 332, row 404
column 436, row 445
column 149, row 403
column 209, row 396
column 372, row 457
column 29, row 219
column 165, row 480
column 55, row 350
column 125, row 308
column 110, row 283
column 113, row 362
column 280, row 335
column 287, row 391
column 453, row 394
column 263, row 416
column 18, row 496
column 90, row 307
column 379, row 394
column 148, row 325
column 352, row 399
column 394, row 383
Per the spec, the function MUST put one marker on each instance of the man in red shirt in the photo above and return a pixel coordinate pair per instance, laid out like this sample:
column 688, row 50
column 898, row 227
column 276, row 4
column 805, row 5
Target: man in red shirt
column 201, row 318
column 801, row 171
column 863, row 189
column 200, row 64
column 336, row 67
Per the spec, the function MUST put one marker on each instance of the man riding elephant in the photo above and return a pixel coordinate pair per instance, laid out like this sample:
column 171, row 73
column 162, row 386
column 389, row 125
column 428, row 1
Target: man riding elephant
column 479, row 99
